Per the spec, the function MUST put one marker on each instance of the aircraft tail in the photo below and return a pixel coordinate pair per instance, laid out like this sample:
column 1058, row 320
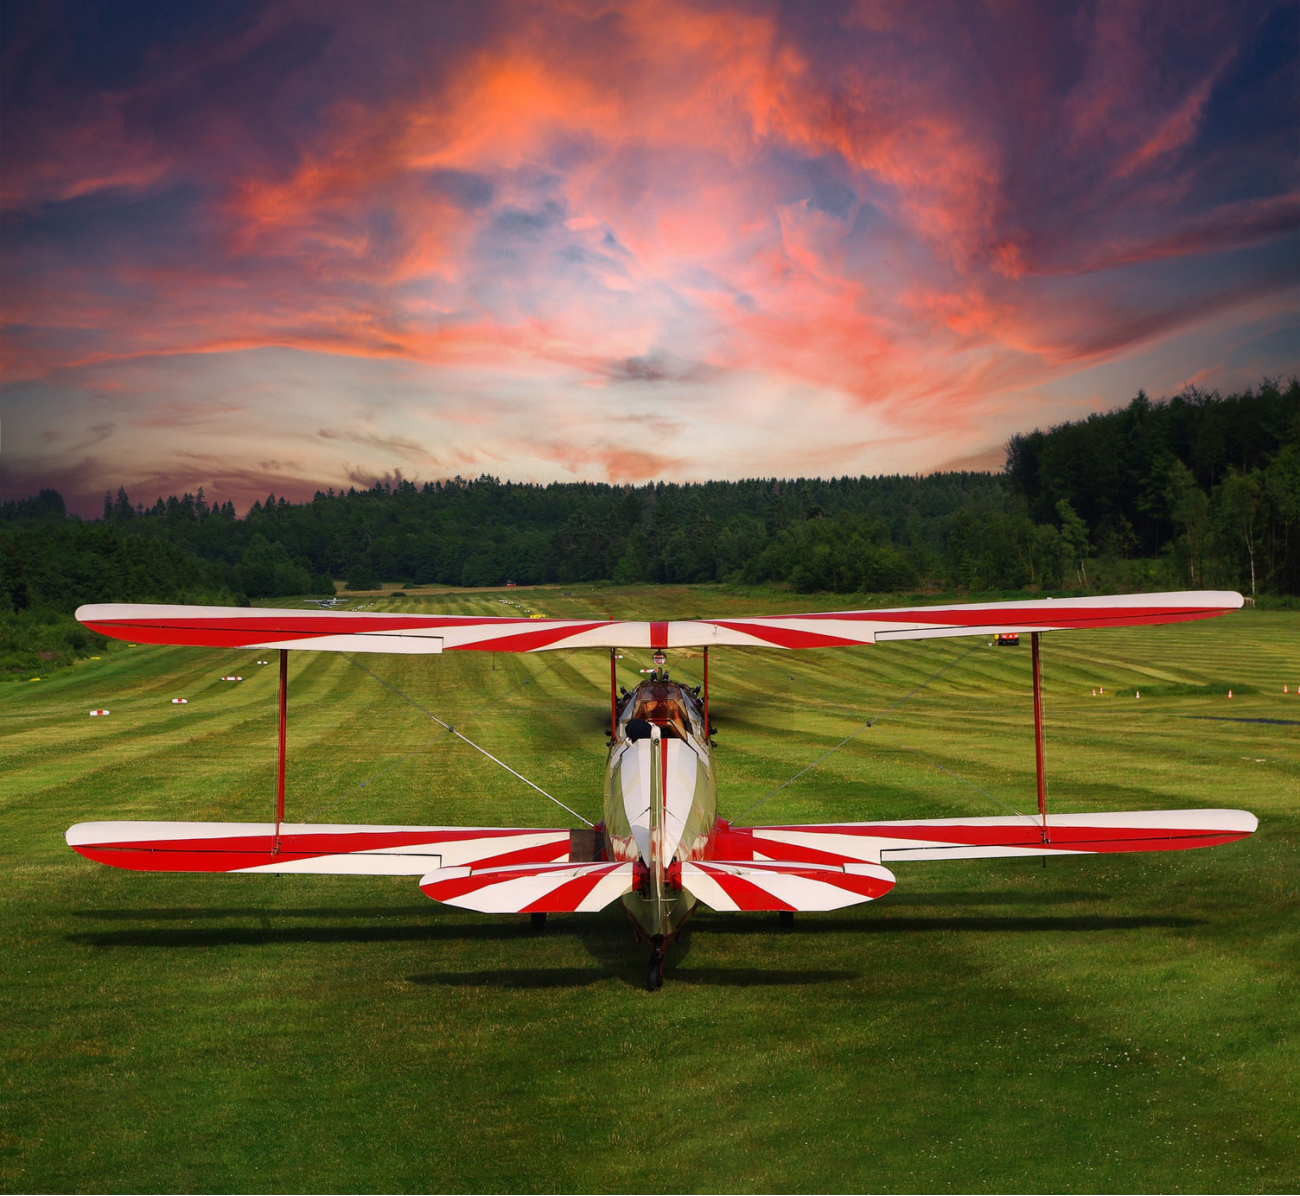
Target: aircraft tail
column 572, row 888
column 730, row 885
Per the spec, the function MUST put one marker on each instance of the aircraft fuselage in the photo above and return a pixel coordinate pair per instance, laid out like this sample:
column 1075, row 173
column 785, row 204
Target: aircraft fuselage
column 661, row 800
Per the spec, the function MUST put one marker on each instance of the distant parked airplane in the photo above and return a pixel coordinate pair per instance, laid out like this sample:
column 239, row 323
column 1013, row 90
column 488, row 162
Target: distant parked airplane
column 328, row 603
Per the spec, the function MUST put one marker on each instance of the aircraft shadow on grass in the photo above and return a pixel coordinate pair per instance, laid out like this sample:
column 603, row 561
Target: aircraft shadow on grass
column 605, row 941
column 580, row 977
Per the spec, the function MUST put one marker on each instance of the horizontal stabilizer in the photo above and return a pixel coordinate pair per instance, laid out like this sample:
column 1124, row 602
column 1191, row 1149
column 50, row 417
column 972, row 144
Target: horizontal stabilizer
column 376, row 631
column 727, row 885
column 978, row 838
column 336, row 849
column 531, row 889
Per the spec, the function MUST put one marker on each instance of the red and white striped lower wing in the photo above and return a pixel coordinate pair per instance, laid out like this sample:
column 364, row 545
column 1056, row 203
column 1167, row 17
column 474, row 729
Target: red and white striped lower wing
column 980, row 838
column 337, row 849
column 728, row 885
column 531, row 889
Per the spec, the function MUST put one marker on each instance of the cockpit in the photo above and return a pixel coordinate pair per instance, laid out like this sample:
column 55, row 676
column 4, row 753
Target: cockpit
column 658, row 703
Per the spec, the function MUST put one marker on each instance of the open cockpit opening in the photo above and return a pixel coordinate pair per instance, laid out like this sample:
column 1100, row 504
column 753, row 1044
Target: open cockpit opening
column 658, row 704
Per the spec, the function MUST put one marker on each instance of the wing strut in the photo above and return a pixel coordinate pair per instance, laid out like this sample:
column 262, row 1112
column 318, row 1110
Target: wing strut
column 284, row 729
column 1038, row 736
column 708, row 731
column 613, row 698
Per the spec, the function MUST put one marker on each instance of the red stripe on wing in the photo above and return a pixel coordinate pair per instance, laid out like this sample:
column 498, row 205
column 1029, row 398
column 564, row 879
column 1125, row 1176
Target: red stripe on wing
column 163, row 860
column 1075, row 838
column 199, row 637
column 457, row 886
column 776, row 849
column 542, row 853
column 747, row 895
column 528, row 641
column 230, row 852
column 243, row 631
column 786, row 637
column 1049, row 613
column 566, row 898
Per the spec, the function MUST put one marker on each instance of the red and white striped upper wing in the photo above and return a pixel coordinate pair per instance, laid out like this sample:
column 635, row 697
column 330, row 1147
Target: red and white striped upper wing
column 351, row 631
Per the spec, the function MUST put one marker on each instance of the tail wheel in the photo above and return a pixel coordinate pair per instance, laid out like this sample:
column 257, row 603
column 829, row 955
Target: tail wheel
column 655, row 974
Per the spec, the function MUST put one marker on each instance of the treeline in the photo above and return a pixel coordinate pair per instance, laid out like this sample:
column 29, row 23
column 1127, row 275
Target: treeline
column 1196, row 491
column 1211, row 484
column 50, row 564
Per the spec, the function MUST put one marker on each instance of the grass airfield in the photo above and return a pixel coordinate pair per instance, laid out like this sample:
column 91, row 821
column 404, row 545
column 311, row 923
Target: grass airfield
column 1122, row 1023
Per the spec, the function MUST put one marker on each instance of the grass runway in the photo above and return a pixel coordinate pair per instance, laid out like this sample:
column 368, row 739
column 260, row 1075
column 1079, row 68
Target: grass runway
column 1122, row 1023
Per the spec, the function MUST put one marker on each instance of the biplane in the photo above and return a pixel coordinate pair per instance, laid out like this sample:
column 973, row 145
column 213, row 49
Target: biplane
column 660, row 849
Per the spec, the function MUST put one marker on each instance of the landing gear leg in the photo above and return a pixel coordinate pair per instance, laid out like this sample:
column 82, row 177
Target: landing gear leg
column 787, row 919
column 655, row 976
column 538, row 923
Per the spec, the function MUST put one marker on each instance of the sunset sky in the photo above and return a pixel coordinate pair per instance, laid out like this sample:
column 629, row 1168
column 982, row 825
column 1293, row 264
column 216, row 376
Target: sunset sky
column 281, row 246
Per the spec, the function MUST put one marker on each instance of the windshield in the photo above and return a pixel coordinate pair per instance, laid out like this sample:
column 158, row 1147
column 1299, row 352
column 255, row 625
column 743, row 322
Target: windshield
column 663, row 704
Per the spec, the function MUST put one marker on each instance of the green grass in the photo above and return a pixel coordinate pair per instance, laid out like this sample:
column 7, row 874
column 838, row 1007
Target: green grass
column 1125, row 1023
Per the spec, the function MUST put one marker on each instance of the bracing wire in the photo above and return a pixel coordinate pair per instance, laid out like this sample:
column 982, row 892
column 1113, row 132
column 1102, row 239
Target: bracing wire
column 450, row 729
column 956, row 660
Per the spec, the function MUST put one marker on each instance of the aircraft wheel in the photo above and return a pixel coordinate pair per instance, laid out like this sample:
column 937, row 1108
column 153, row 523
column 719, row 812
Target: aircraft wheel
column 655, row 974
column 538, row 923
